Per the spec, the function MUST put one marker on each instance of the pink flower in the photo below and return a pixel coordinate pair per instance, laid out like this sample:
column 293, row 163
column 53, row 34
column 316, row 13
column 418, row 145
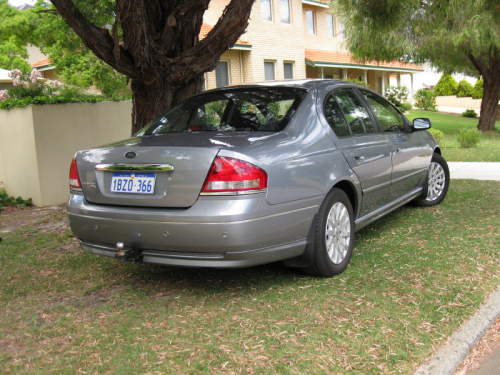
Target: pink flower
column 54, row 84
column 35, row 76
column 3, row 95
column 15, row 74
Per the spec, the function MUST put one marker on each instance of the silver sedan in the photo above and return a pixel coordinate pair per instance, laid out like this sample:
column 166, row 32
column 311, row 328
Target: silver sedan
column 246, row 175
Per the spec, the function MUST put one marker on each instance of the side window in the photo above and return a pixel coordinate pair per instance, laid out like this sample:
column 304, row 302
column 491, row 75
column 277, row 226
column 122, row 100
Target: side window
column 356, row 117
column 389, row 118
column 335, row 117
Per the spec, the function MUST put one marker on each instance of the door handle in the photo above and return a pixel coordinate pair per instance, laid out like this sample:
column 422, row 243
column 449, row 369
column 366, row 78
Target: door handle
column 398, row 150
column 359, row 157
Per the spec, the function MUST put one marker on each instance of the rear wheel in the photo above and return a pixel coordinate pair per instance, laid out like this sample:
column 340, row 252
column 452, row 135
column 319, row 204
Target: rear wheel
column 438, row 181
column 330, row 250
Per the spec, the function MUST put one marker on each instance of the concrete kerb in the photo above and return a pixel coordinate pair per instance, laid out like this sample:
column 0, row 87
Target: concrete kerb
column 451, row 355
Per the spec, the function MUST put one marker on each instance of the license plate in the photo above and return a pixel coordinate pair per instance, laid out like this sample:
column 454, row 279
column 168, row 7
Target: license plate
column 135, row 183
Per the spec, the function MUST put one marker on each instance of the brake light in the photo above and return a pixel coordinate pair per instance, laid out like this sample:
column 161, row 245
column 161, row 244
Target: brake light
column 229, row 176
column 74, row 178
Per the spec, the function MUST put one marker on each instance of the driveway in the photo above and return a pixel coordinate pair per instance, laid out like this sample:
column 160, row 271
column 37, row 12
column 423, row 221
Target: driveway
column 475, row 170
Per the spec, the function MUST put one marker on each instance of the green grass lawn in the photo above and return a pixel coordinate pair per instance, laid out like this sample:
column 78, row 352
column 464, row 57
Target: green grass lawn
column 450, row 124
column 415, row 276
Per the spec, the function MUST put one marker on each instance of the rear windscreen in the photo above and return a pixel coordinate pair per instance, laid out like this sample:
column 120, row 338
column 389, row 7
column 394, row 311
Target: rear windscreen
column 265, row 109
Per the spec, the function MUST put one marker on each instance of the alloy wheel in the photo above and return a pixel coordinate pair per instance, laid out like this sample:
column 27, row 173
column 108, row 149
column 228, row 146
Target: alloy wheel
column 436, row 182
column 338, row 233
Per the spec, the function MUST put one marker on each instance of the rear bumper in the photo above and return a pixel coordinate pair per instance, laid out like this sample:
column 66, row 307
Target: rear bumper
column 215, row 232
column 236, row 259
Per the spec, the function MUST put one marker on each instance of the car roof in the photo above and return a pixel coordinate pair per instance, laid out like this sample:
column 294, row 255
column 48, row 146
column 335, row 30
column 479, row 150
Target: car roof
column 297, row 83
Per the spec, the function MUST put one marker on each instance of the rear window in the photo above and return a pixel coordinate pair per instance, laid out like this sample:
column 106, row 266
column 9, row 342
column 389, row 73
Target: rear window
column 266, row 109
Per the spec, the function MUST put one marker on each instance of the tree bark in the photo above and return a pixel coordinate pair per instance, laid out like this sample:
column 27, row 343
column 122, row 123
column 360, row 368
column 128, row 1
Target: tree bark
column 151, row 100
column 489, row 103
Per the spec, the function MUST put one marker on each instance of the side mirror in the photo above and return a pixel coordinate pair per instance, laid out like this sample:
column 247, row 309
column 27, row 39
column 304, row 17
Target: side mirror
column 421, row 123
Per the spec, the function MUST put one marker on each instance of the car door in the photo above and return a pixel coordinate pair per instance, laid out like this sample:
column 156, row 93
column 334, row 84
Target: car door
column 410, row 153
column 367, row 151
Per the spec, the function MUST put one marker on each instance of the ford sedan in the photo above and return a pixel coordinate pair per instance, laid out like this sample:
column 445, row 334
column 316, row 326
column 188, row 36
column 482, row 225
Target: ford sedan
column 246, row 175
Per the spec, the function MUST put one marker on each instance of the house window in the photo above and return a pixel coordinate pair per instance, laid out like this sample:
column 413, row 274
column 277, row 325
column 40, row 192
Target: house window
column 221, row 73
column 330, row 24
column 266, row 10
column 269, row 73
column 288, row 70
column 285, row 11
column 342, row 31
column 311, row 21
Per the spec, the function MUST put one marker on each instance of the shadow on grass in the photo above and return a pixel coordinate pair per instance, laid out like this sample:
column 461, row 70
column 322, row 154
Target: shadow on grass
column 151, row 279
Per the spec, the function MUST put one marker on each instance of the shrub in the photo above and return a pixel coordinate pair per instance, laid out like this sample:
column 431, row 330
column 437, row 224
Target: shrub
column 357, row 82
column 446, row 85
column 438, row 135
column 477, row 90
column 425, row 99
column 6, row 200
column 30, row 89
column 468, row 138
column 464, row 89
column 405, row 107
column 470, row 113
column 397, row 95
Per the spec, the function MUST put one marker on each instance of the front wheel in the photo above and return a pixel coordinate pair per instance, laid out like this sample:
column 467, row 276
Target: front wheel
column 333, row 236
column 438, row 181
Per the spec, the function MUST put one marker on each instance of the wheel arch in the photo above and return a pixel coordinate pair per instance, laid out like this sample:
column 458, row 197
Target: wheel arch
column 349, row 188
column 437, row 150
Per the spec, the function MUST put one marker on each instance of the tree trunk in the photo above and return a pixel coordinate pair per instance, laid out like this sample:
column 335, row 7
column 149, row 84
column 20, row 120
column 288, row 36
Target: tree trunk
column 489, row 103
column 150, row 100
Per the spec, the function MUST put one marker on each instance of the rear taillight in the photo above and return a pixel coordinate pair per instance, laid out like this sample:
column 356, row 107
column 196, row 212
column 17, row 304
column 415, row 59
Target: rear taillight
column 74, row 178
column 229, row 176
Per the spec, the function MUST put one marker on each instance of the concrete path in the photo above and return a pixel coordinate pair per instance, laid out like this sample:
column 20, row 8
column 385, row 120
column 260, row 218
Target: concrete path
column 489, row 366
column 475, row 170
column 446, row 360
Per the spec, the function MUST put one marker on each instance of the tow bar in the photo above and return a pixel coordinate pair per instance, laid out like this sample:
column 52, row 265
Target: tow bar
column 130, row 254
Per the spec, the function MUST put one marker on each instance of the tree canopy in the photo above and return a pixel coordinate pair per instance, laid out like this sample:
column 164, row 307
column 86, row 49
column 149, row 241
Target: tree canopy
column 454, row 35
column 75, row 63
column 43, row 27
column 13, row 25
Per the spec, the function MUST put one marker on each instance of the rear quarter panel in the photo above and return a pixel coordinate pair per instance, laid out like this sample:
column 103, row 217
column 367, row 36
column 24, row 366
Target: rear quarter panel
column 302, row 161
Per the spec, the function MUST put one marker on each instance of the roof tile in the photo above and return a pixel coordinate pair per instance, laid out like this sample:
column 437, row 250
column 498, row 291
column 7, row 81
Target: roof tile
column 43, row 62
column 346, row 58
column 205, row 29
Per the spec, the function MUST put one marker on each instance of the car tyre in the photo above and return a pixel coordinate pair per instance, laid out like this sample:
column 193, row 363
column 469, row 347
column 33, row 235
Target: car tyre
column 332, row 236
column 437, row 183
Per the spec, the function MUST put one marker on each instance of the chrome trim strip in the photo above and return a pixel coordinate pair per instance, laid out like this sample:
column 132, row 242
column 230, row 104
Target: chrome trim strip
column 243, row 192
column 121, row 167
column 409, row 175
column 180, row 255
column 384, row 184
column 368, row 218
column 376, row 187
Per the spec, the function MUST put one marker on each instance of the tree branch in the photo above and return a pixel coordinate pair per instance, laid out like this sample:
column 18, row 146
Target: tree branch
column 95, row 38
column 203, row 56
column 477, row 64
column 182, row 12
